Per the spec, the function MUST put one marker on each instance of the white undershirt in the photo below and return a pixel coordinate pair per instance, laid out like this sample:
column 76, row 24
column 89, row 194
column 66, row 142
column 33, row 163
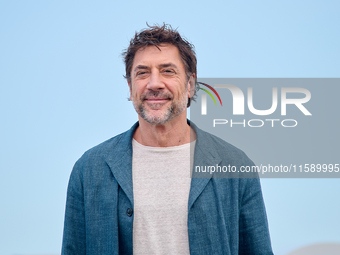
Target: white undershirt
column 161, row 185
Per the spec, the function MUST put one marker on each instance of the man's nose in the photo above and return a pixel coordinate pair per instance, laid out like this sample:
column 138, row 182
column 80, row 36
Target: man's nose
column 155, row 82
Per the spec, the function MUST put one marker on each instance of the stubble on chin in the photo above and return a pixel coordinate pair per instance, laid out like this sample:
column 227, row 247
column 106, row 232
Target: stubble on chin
column 159, row 117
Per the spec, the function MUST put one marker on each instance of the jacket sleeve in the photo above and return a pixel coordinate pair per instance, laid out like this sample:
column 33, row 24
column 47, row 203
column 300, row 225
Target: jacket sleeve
column 253, row 226
column 74, row 237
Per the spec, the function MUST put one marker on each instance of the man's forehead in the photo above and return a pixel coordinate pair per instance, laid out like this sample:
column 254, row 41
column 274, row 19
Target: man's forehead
column 161, row 49
column 165, row 53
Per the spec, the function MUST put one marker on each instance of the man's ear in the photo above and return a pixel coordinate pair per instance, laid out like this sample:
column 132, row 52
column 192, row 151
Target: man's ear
column 191, row 85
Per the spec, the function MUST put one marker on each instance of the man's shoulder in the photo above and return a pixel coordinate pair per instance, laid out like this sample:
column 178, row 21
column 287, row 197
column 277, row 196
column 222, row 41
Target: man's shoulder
column 104, row 147
column 114, row 146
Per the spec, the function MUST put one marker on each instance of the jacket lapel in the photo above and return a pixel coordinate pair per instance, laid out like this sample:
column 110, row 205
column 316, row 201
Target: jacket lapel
column 205, row 155
column 120, row 162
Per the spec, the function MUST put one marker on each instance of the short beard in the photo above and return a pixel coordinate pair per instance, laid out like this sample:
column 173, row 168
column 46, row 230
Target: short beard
column 174, row 110
column 157, row 120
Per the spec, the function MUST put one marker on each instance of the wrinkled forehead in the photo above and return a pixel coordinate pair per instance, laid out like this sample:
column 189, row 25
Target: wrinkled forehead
column 157, row 55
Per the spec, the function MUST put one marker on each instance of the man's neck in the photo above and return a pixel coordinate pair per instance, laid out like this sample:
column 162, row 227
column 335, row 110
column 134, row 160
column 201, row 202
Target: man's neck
column 173, row 133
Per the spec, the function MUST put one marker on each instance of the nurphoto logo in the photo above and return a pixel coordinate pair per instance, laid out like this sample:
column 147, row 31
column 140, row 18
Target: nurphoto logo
column 295, row 96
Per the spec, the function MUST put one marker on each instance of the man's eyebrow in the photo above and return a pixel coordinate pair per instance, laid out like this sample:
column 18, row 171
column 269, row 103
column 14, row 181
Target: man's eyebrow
column 168, row 65
column 140, row 67
column 159, row 66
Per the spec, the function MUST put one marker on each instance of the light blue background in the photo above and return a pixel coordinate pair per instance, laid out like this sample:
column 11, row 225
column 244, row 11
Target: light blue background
column 62, row 92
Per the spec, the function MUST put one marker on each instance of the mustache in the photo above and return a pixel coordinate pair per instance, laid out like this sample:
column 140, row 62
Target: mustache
column 156, row 95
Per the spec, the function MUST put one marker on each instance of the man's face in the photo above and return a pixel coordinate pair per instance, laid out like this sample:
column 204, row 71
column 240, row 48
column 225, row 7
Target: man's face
column 159, row 87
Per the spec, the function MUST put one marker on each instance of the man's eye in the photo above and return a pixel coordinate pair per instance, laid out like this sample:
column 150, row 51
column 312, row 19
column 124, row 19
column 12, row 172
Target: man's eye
column 141, row 73
column 168, row 71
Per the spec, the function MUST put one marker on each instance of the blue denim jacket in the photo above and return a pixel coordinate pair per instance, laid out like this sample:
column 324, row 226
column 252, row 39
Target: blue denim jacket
column 225, row 215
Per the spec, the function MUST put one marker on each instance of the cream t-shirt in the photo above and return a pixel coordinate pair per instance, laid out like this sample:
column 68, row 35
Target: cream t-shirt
column 161, row 185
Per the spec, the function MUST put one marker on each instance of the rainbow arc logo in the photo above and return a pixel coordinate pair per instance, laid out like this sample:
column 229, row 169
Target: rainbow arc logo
column 204, row 98
column 208, row 92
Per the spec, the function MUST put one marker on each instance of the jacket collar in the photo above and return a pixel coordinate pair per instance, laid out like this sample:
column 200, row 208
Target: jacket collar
column 205, row 155
column 120, row 161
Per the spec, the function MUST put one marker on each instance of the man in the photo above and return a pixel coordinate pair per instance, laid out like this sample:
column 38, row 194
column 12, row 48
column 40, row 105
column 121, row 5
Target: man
column 133, row 193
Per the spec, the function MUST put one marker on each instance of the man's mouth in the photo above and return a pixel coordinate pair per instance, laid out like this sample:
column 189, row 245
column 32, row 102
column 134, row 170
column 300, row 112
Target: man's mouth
column 157, row 99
